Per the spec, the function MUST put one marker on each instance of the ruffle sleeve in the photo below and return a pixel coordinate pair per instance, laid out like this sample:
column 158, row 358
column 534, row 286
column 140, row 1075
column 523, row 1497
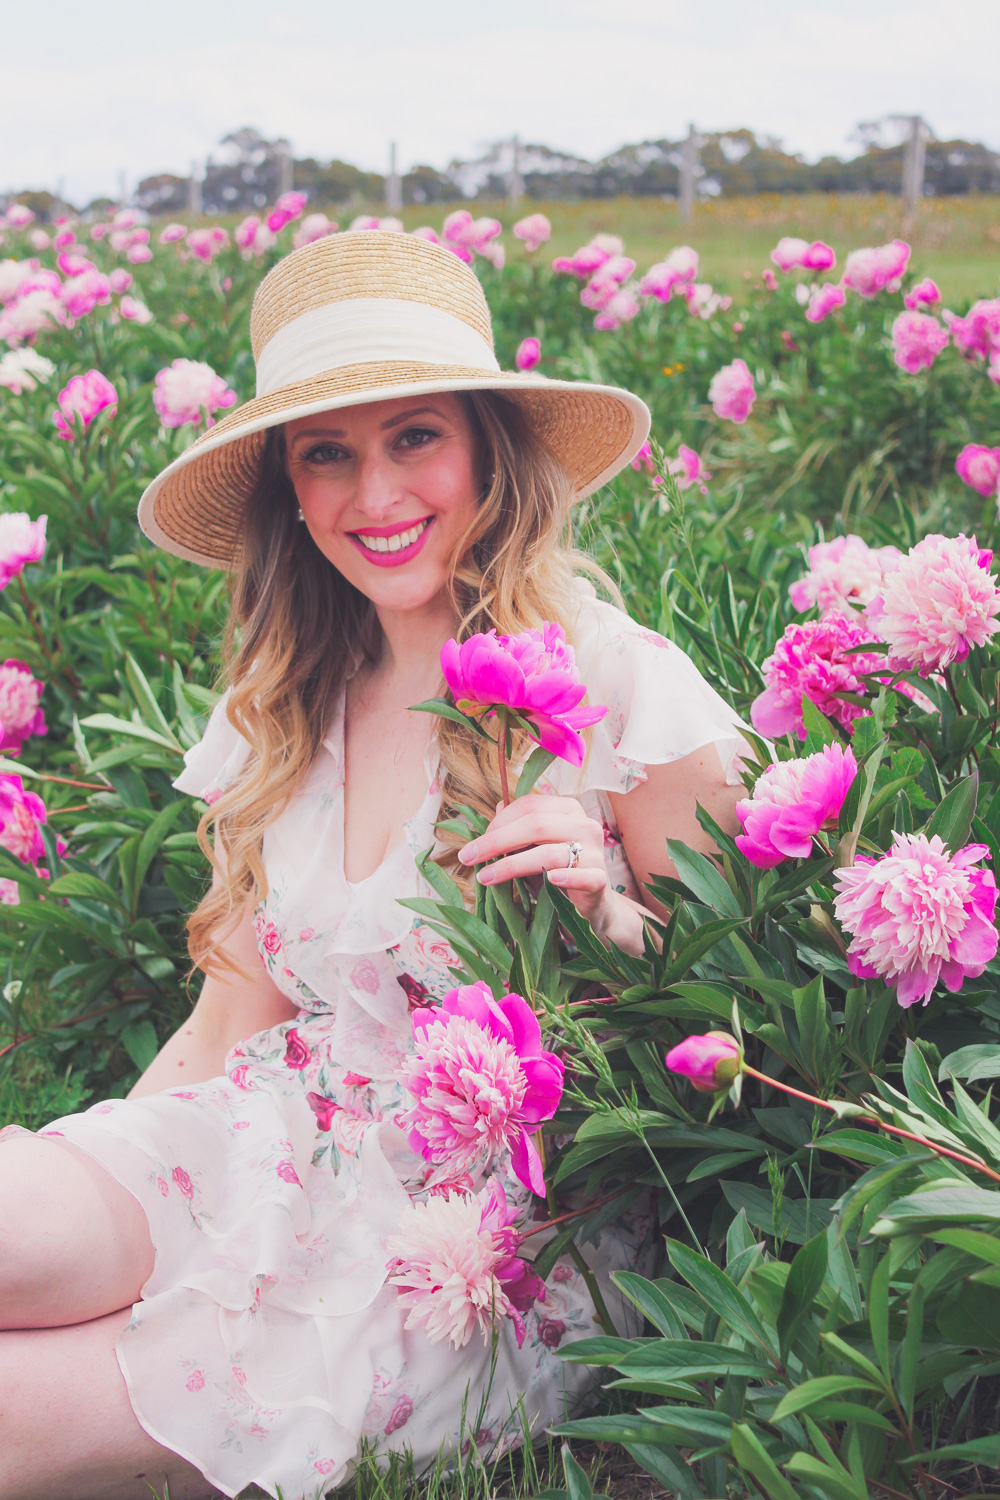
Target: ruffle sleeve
column 660, row 708
column 215, row 761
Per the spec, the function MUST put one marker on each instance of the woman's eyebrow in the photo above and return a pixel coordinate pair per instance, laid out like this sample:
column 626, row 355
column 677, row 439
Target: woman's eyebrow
column 338, row 432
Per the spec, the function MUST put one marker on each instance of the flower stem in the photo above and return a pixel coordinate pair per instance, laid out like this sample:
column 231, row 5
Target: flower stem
column 908, row 1135
column 502, row 755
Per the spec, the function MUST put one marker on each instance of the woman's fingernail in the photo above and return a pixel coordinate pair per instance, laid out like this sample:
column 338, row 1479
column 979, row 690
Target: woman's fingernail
column 486, row 877
column 468, row 854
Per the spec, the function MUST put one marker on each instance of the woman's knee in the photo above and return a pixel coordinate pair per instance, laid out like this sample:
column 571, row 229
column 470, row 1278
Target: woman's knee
column 74, row 1244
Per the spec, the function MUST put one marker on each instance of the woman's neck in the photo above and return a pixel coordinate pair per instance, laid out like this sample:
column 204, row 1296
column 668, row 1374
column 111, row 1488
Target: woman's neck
column 412, row 641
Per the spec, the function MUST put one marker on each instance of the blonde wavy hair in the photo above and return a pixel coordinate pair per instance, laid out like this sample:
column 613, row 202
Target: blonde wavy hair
column 298, row 629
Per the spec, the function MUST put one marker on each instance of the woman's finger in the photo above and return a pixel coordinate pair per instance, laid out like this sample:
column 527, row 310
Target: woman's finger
column 533, row 861
column 535, row 827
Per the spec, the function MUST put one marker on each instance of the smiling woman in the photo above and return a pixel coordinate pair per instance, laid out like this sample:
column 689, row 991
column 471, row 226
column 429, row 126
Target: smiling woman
column 256, row 1234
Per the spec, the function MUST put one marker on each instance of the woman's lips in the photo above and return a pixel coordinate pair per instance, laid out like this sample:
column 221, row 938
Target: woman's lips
column 402, row 555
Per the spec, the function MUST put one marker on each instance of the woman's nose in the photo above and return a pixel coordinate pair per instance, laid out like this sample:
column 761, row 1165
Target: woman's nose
column 378, row 486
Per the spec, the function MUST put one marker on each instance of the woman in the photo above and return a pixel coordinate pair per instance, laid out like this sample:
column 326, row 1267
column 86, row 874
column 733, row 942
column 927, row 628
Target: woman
column 223, row 1230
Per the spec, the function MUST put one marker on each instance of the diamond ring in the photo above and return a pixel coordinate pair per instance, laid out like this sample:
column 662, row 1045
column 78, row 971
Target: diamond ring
column 574, row 850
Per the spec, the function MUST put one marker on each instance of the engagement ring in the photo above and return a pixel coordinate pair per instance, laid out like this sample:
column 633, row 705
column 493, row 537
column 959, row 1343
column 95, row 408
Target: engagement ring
column 574, row 851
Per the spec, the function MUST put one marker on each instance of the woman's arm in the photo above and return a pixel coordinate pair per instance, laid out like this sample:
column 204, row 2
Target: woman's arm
column 228, row 1009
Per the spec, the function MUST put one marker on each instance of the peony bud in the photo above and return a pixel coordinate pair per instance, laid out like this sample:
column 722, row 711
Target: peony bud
column 709, row 1062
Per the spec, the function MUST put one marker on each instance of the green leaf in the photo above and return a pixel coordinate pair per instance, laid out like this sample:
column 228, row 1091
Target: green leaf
column 134, row 731
column 878, row 1313
column 981, row 1060
column 140, row 1042
column 653, row 1303
column 980, row 1450
column 438, row 879
column 87, row 887
column 446, row 710
column 720, row 1295
column 603, row 1350
column 677, row 1359
column 538, row 761
column 703, row 879
column 819, row 729
column 912, row 1349
column 148, row 706
column 952, row 818
column 939, row 1205
column 578, row 1486
column 811, row 1392
column 973, row 1241
column 805, row 1281
column 750, row 1453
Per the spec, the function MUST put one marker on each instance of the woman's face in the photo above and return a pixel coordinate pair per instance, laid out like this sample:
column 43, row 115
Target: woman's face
column 386, row 490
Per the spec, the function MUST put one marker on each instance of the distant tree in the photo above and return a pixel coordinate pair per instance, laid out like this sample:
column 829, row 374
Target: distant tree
column 44, row 205
column 337, row 182
column 163, row 194
column 423, row 184
column 249, row 178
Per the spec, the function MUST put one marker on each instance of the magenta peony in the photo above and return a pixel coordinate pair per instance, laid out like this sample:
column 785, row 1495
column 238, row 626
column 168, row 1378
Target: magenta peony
column 22, row 541
column 171, row 233
column 923, row 294
column 811, row 661
column 732, row 392
column 644, row 459
column 769, row 279
column 288, row 207
column 205, row 244
column 20, row 715
column 792, row 801
column 871, row 271
column 583, row 262
column 659, row 282
column 825, row 300
column 482, row 1084
column 708, row 1062
column 918, row 915
column 82, row 399
column 533, row 230
column 791, row 255
column 252, row 237
column 941, row 600
column 457, row 1269
column 688, row 469
column 188, row 391
column 977, row 335
column 842, row 573
column 81, row 294
column 529, row 352
column 534, row 674
column 979, row 467
column 21, row 816
column 917, row 340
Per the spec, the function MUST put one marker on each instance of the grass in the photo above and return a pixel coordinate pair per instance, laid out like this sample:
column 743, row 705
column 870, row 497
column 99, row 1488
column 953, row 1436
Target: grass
column 956, row 240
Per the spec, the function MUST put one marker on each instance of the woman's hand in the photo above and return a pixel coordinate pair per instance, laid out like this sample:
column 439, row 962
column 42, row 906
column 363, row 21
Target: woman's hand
column 534, row 835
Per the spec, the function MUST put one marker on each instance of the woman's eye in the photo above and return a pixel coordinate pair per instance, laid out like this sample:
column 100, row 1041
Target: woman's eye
column 323, row 453
column 417, row 437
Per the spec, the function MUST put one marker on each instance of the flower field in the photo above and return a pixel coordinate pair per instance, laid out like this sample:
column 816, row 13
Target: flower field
column 800, row 1074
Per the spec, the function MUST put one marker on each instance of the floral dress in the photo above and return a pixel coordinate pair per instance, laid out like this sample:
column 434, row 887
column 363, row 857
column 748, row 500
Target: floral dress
column 268, row 1346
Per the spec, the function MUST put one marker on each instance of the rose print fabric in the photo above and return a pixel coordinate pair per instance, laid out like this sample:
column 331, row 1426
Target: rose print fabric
column 267, row 1347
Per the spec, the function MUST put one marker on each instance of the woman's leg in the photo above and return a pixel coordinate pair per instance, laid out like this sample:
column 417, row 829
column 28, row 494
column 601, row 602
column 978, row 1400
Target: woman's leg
column 67, row 1428
column 74, row 1244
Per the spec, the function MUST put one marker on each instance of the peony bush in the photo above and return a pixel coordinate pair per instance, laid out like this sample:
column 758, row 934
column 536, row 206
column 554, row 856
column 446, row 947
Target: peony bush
column 794, row 1083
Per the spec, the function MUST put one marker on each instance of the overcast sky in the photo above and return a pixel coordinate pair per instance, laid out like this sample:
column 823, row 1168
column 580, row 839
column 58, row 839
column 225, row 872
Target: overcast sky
column 133, row 87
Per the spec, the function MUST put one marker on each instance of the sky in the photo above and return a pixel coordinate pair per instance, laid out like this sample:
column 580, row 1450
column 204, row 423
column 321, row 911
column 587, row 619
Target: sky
column 143, row 88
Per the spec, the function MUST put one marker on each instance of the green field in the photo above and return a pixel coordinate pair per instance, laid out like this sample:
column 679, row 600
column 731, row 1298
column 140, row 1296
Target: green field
column 957, row 240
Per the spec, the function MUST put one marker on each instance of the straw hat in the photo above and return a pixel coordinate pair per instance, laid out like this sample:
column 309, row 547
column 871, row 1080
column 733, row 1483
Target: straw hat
column 371, row 316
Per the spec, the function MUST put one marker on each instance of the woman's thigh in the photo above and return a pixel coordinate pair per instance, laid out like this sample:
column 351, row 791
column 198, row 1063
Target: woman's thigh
column 66, row 1425
column 74, row 1244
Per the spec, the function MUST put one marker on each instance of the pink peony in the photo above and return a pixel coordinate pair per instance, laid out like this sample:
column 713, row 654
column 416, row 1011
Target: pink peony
column 792, row 801
column 188, row 391
column 529, row 352
column 138, row 255
column 924, row 294
column 708, row 1062
column 941, row 600
column 467, row 236
column 22, row 541
column 732, row 392
column 171, row 233
column 23, row 370
column 871, row 271
column 288, row 207
column 482, row 1084
column 918, row 915
column 425, row 232
column 977, row 335
column 534, row 231
column 253, row 237
column 120, row 280
column 917, row 340
column 979, row 467
column 205, row 244
column 27, row 316
column 21, row 816
column 660, row 281
column 76, row 264
column 791, row 255
column 313, row 227
column 456, row 1267
column 620, row 308
column 703, row 301
column 583, row 263
column 841, row 573
column 134, row 311
column 688, row 469
column 533, row 674
column 769, row 279
column 81, row 294
column 19, row 216
column 14, row 275
column 825, row 300
column 811, row 661
column 84, row 397
column 20, row 715
column 644, row 459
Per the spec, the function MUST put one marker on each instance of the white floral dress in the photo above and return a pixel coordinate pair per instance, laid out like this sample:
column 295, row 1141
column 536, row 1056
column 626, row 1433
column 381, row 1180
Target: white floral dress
column 267, row 1346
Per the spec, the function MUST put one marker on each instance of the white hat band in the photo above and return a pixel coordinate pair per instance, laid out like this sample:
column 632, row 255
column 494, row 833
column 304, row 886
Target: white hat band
column 360, row 330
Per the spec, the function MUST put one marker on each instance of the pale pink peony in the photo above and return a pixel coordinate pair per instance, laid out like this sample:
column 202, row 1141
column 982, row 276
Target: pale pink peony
column 732, row 392
column 534, row 674
column 84, row 398
column 811, row 661
column 205, row 244
column 941, row 600
column 425, row 232
column 917, row 340
column 189, row 391
column 792, row 802
column 457, row 1270
column 72, row 263
column 684, row 261
column 313, row 227
column 462, row 233
column 703, row 301
column 138, row 255
column 23, row 369
column 21, row 816
column 708, row 1062
column 81, row 294
column 620, row 308
column 583, row 263
column 979, row 467
column 977, row 335
column 20, row 715
column 841, row 573
column 918, row 915
column 171, row 233
column 769, row 279
column 14, row 274
column 134, row 311
column 534, row 230
column 874, row 270
column 823, row 301
column 791, row 255
column 659, row 282
column 252, row 237
column 529, row 352
column 688, row 469
column 120, row 280
column 26, row 317
column 38, row 239
column 482, row 1084
column 923, row 294
column 288, row 207
column 18, row 215
column 22, row 541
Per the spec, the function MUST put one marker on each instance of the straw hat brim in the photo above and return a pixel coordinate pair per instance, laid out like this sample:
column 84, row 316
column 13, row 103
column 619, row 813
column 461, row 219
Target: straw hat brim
column 193, row 508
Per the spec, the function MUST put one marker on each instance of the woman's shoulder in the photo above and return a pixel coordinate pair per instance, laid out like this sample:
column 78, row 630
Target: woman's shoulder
column 660, row 707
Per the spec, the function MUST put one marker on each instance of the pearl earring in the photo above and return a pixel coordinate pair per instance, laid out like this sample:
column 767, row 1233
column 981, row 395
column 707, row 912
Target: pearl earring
column 300, row 516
